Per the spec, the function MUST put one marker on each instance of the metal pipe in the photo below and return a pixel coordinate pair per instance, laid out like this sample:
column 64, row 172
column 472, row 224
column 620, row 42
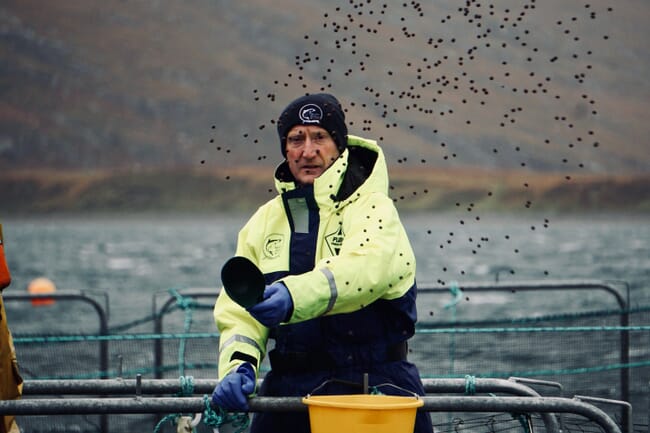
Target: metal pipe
column 203, row 386
column 291, row 404
column 627, row 407
column 527, row 285
column 509, row 386
column 553, row 421
column 206, row 386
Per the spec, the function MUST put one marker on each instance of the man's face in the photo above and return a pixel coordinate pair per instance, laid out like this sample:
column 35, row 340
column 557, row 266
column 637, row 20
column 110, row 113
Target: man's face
column 310, row 151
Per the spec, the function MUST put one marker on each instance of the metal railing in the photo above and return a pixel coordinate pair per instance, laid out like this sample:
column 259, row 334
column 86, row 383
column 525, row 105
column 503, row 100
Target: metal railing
column 102, row 316
column 142, row 405
column 139, row 387
column 74, row 295
column 160, row 313
column 610, row 288
column 621, row 299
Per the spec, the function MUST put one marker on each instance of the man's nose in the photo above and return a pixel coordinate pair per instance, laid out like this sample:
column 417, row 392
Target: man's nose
column 310, row 149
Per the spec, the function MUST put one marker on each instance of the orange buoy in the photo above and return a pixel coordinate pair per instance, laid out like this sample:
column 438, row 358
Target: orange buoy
column 40, row 286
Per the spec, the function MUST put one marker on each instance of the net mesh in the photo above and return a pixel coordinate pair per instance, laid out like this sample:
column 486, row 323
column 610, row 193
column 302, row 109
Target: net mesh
column 582, row 352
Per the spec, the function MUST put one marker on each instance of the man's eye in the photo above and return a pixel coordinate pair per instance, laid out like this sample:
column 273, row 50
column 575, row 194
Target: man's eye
column 296, row 140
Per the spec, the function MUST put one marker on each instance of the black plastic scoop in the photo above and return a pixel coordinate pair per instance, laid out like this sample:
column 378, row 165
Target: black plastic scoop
column 243, row 281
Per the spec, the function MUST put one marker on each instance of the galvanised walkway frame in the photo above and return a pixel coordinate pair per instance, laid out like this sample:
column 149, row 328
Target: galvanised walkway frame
column 134, row 398
column 451, row 385
column 140, row 405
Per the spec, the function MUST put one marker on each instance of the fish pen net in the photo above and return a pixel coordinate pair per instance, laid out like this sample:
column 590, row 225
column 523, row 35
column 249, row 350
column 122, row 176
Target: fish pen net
column 568, row 353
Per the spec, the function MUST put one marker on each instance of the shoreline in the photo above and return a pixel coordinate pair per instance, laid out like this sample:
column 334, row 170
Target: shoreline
column 242, row 189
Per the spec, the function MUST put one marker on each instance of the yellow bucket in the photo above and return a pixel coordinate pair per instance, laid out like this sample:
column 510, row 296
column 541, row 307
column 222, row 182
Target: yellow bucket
column 362, row 413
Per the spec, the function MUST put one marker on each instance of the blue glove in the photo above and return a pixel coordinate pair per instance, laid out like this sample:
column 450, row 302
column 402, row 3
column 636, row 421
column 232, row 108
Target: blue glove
column 231, row 393
column 275, row 308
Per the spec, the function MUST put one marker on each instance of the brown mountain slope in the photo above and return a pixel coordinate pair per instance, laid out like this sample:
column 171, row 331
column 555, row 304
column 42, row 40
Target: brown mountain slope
column 508, row 84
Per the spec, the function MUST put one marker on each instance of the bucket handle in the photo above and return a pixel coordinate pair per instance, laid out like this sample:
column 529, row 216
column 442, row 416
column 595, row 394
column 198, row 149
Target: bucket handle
column 335, row 380
column 415, row 394
column 364, row 386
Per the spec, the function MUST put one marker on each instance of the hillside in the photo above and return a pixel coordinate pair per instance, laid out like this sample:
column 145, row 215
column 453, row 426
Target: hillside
column 543, row 86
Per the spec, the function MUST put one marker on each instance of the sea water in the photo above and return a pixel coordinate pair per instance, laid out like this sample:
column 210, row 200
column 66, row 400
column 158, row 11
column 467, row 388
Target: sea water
column 131, row 258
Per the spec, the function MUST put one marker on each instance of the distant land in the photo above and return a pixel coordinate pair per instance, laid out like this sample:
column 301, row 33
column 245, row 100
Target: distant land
column 242, row 190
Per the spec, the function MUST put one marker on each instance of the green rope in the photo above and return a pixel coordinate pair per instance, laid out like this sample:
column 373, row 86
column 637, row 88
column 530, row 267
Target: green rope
column 533, row 329
column 187, row 305
column 187, row 389
column 122, row 337
column 18, row 340
column 470, row 385
column 131, row 372
column 567, row 371
column 454, row 288
column 183, row 302
column 187, row 386
column 524, row 420
column 186, row 382
column 216, row 419
column 545, row 318
column 211, row 417
column 169, row 418
column 451, row 305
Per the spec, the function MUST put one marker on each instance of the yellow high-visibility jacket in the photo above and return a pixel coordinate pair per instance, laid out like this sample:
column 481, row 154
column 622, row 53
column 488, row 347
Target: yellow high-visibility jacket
column 339, row 248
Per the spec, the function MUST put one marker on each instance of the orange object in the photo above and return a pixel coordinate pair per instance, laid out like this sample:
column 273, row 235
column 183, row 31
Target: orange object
column 5, row 276
column 41, row 286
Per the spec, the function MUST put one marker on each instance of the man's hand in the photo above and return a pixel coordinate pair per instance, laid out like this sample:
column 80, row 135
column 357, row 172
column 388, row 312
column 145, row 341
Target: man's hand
column 232, row 392
column 275, row 308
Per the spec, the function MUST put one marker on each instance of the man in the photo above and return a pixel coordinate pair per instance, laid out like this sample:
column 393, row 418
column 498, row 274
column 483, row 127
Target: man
column 10, row 381
column 340, row 275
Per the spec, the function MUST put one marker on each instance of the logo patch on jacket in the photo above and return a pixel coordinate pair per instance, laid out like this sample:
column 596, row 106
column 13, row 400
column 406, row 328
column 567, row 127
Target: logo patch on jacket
column 273, row 245
column 334, row 241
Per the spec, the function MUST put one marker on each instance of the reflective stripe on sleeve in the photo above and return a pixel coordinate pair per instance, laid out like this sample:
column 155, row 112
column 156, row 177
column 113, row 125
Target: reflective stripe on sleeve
column 334, row 293
column 240, row 339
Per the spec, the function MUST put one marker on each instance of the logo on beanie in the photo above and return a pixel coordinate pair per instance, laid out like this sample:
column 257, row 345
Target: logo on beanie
column 310, row 113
